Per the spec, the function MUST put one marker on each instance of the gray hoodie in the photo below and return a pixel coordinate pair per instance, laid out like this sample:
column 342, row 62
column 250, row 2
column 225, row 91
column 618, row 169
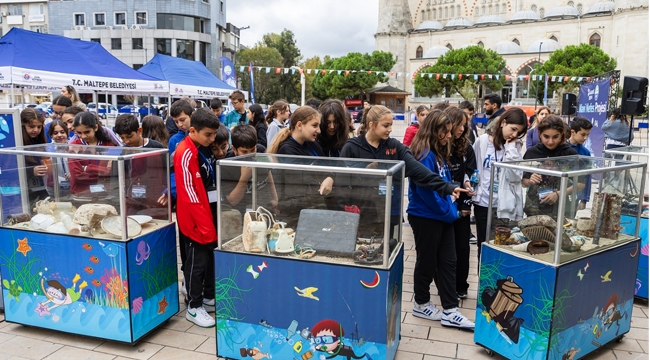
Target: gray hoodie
column 616, row 130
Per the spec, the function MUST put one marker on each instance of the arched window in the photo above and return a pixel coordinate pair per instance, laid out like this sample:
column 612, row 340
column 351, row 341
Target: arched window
column 594, row 40
column 553, row 37
column 418, row 53
column 476, row 11
column 423, row 18
column 451, row 12
column 504, row 8
column 458, row 10
column 570, row 3
column 516, row 41
column 429, row 14
column 483, row 10
column 449, row 46
column 541, row 12
column 534, row 8
column 480, row 43
column 434, row 14
column 579, row 9
column 446, row 12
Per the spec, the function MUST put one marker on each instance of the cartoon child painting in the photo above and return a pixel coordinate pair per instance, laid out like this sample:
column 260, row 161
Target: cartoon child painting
column 59, row 295
column 612, row 314
column 328, row 335
column 254, row 353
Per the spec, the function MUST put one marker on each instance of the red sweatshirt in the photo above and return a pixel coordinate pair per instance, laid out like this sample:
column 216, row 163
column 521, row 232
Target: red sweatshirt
column 192, row 205
column 409, row 134
column 95, row 173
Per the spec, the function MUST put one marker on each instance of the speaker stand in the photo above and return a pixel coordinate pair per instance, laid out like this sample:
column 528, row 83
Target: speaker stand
column 629, row 138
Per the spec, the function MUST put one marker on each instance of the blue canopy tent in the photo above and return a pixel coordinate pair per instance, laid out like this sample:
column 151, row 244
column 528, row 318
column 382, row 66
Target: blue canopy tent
column 83, row 64
column 186, row 77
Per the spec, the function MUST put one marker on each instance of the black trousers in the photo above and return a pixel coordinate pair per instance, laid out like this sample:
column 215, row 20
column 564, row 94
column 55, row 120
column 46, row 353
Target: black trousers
column 462, row 233
column 435, row 258
column 182, row 243
column 199, row 273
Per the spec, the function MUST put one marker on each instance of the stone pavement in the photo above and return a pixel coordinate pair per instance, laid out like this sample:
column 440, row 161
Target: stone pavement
column 180, row 339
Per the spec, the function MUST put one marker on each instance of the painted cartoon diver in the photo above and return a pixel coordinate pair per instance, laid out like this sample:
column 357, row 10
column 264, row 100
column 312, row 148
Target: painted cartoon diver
column 328, row 338
column 59, row 295
column 570, row 355
column 612, row 314
column 501, row 304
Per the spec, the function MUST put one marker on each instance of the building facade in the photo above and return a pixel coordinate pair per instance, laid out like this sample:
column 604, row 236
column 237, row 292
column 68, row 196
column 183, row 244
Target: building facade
column 524, row 32
column 134, row 31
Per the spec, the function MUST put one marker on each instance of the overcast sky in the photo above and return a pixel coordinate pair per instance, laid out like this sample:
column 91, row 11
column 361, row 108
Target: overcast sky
column 331, row 27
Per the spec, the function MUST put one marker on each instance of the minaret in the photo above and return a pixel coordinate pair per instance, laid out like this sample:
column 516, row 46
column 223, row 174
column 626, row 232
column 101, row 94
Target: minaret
column 392, row 31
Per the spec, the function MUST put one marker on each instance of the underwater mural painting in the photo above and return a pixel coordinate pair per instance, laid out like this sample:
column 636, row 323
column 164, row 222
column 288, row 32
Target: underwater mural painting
column 88, row 287
column 311, row 315
column 530, row 310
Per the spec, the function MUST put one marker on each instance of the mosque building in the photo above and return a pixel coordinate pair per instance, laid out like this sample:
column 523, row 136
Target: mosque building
column 524, row 32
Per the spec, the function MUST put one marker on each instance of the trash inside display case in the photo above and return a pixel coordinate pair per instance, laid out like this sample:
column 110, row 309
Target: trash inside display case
column 558, row 282
column 94, row 254
column 288, row 226
column 100, row 192
column 291, row 212
column 553, row 219
column 633, row 189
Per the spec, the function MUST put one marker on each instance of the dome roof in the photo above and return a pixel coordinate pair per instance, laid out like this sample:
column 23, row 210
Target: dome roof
column 524, row 15
column 435, row 52
column 547, row 45
column 562, row 11
column 459, row 22
column 490, row 19
column 601, row 7
column 430, row 25
column 508, row 47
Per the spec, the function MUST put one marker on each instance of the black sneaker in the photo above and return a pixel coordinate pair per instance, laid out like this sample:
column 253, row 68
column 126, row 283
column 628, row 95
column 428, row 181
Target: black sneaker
column 462, row 295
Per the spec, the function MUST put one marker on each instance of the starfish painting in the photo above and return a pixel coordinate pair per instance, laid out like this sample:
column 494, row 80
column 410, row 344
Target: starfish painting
column 162, row 305
column 23, row 247
column 42, row 310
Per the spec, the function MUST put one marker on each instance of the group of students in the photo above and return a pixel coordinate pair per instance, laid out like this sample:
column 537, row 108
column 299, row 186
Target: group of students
column 439, row 163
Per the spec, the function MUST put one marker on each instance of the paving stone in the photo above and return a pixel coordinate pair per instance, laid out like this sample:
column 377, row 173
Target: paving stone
column 428, row 347
column 69, row 352
column 142, row 350
column 177, row 339
column 28, row 348
column 170, row 353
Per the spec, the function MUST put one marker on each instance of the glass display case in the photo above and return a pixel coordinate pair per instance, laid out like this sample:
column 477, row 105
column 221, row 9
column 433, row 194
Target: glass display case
column 352, row 224
column 284, row 234
column 553, row 230
column 95, row 191
column 557, row 281
column 87, row 245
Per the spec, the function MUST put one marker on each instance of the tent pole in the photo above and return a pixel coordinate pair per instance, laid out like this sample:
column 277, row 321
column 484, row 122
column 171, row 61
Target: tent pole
column 11, row 100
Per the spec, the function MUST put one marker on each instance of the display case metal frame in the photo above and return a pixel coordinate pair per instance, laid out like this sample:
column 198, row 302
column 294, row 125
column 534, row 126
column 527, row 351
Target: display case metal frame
column 135, row 154
column 246, row 161
column 564, row 176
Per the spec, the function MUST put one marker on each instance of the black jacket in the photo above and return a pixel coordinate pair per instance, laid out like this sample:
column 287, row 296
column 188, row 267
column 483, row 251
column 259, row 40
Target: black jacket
column 540, row 151
column 292, row 147
column 261, row 133
column 172, row 129
column 391, row 149
column 461, row 166
column 495, row 115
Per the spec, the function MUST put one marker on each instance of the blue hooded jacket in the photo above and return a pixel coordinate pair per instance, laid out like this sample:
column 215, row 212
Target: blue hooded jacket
column 427, row 203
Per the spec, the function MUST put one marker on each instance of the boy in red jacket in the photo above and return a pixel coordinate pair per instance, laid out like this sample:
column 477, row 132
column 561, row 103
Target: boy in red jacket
column 196, row 197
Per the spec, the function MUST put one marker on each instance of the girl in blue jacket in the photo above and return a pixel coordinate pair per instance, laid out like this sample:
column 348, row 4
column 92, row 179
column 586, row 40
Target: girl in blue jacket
column 431, row 216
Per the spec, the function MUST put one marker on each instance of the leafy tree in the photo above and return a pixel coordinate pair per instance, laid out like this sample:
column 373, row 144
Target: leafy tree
column 358, row 81
column 582, row 60
column 265, row 84
column 470, row 60
column 285, row 44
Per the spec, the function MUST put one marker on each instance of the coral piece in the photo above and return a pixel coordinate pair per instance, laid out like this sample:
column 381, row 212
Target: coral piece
column 93, row 213
column 137, row 305
column 541, row 220
column 611, row 221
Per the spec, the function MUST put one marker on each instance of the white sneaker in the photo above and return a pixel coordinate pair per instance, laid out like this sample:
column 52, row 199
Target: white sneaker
column 427, row 311
column 453, row 318
column 209, row 305
column 200, row 317
column 472, row 240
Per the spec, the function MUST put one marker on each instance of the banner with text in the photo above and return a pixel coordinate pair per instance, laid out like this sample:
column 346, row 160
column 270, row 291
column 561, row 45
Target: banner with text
column 200, row 92
column 593, row 104
column 44, row 80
